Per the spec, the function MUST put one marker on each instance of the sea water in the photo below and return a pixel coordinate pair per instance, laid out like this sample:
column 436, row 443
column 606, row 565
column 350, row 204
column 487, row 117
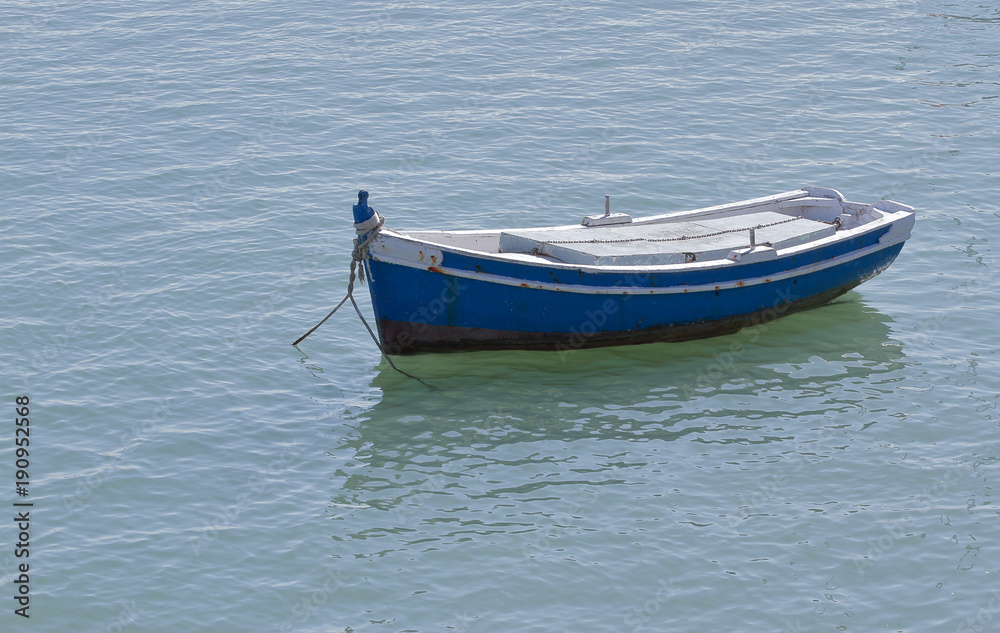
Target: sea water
column 177, row 182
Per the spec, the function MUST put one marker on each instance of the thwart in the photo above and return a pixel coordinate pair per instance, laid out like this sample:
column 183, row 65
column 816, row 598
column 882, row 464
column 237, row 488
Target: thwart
column 614, row 279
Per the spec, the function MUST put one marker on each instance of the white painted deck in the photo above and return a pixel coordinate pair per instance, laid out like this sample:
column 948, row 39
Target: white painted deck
column 700, row 239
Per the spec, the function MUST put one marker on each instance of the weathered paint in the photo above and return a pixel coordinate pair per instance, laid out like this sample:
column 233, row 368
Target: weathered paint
column 421, row 310
column 471, row 299
column 409, row 338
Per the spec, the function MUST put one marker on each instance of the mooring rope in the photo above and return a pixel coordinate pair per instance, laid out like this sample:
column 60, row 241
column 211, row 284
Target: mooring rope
column 357, row 258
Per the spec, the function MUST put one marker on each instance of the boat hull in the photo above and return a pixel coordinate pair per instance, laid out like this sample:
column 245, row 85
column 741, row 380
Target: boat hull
column 430, row 308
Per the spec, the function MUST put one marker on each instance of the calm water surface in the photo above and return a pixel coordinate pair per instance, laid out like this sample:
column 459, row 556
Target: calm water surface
column 176, row 185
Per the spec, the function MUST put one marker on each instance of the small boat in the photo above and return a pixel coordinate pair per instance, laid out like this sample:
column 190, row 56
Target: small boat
column 614, row 279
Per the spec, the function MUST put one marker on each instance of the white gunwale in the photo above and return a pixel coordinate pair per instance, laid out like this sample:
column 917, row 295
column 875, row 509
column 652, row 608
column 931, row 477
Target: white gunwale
column 402, row 248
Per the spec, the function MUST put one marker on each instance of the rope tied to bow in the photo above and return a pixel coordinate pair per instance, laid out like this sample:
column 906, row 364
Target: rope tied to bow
column 358, row 255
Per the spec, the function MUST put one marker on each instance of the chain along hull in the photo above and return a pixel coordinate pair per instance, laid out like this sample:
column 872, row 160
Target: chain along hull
column 429, row 294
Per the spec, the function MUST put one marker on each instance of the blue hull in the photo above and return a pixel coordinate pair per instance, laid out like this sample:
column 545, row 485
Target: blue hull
column 613, row 280
column 428, row 309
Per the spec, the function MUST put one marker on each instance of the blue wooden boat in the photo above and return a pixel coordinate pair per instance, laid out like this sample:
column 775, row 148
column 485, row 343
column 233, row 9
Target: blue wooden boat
column 614, row 279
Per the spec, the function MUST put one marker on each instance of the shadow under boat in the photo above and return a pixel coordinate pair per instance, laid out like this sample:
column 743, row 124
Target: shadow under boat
column 614, row 392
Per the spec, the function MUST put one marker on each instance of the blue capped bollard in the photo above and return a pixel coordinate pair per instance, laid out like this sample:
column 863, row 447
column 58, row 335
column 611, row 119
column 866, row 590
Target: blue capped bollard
column 365, row 217
column 366, row 222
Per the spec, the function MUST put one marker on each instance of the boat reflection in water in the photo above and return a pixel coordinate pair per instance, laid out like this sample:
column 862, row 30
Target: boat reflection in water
column 725, row 388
